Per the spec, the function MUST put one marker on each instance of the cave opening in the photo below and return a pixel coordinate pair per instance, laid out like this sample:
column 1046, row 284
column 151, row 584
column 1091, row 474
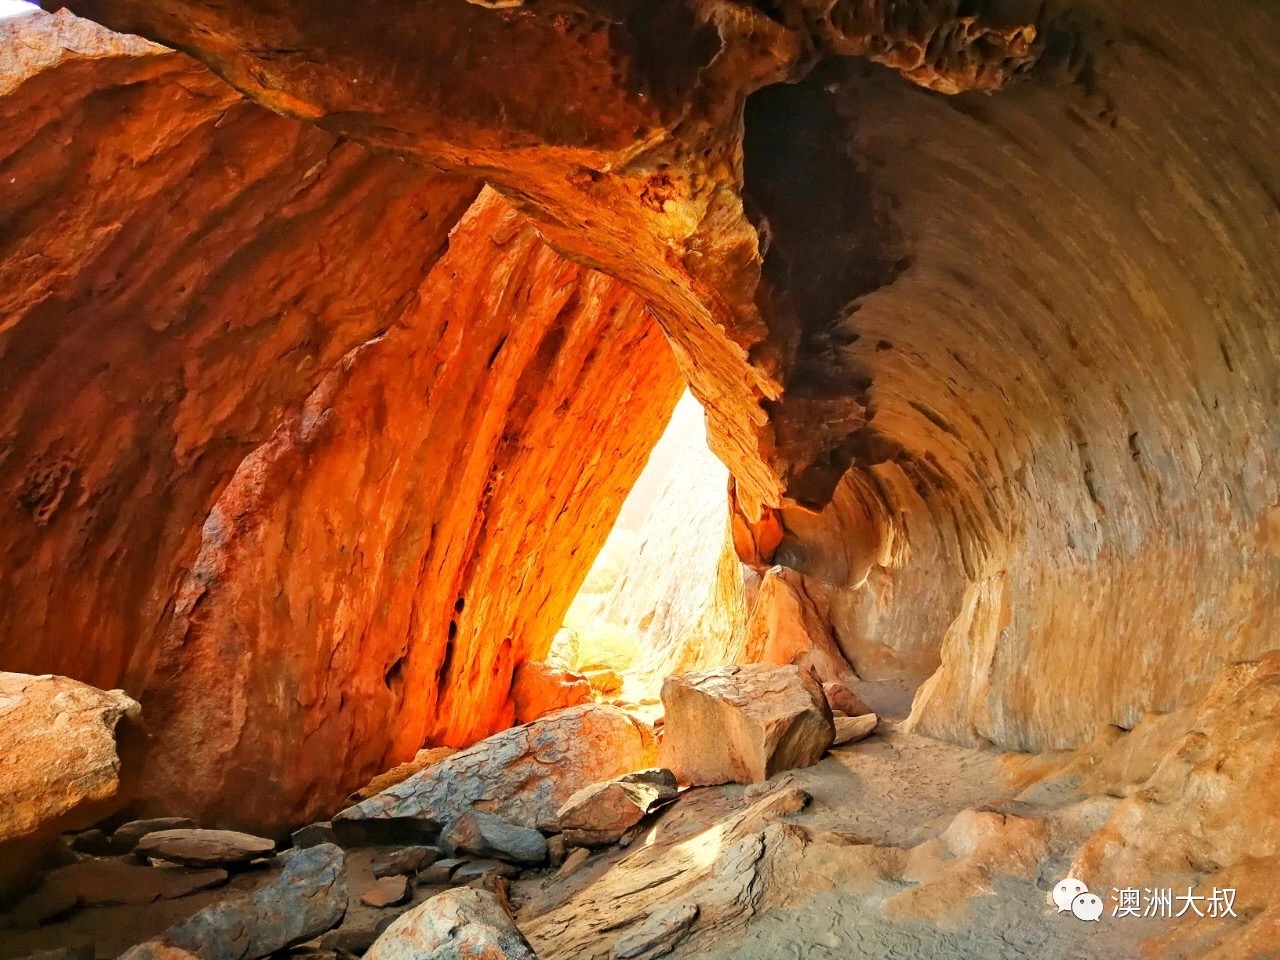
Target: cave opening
column 648, row 603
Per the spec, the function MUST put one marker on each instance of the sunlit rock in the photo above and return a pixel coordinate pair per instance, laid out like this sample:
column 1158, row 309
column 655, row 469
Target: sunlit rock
column 743, row 723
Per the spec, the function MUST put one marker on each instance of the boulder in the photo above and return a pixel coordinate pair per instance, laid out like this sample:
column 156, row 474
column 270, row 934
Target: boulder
column 486, row 835
column 103, row 883
column 93, row 842
column 401, row 772
column 127, row 835
column 59, row 759
column 841, row 698
column 853, row 729
column 313, row 834
column 387, row 892
column 462, row 924
column 523, row 775
column 600, row 814
column 482, row 870
column 308, row 898
column 406, row 862
column 198, row 848
column 157, row 951
column 440, row 872
column 539, row 688
column 356, row 938
column 743, row 723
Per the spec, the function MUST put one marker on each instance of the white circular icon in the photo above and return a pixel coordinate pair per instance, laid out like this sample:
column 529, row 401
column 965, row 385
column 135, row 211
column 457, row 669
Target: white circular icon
column 1066, row 891
column 1087, row 906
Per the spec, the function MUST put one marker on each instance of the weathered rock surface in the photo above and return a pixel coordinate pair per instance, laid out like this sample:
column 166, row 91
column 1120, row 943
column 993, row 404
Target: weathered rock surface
column 743, row 723
column 853, row 729
column 523, row 775
column 401, row 772
column 406, row 862
column 307, row 898
column 300, row 303
column 127, row 835
column 789, row 624
column 387, row 892
column 197, row 848
column 601, row 813
column 486, row 835
column 539, row 688
column 458, row 925
column 58, row 751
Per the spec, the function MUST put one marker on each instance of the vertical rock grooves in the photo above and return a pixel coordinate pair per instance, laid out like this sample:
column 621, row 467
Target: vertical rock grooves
column 268, row 461
column 377, row 569
column 1051, row 368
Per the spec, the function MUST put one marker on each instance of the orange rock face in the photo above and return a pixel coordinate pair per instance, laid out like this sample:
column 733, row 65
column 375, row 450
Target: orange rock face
column 272, row 464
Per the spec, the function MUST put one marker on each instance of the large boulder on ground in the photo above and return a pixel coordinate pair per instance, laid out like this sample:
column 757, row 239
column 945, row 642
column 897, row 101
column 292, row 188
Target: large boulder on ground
column 539, row 688
column 462, row 924
column 743, row 723
column 600, row 814
column 198, row 848
column 486, row 835
column 523, row 775
column 58, row 751
column 308, row 898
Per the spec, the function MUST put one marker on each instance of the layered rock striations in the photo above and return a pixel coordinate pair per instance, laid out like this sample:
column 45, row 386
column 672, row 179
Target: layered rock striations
column 281, row 458
column 1004, row 364
column 1034, row 324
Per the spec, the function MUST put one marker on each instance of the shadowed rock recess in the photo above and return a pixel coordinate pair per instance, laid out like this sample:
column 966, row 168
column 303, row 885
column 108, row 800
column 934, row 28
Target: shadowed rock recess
column 331, row 345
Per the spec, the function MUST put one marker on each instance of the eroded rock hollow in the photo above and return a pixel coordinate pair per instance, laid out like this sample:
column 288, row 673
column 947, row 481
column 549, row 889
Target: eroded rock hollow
column 332, row 343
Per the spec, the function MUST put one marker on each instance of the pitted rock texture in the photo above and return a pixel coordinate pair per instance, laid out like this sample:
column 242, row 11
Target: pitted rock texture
column 523, row 775
column 251, row 405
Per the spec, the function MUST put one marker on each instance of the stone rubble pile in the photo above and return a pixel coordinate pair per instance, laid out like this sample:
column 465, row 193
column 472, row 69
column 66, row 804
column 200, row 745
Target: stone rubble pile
column 444, row 845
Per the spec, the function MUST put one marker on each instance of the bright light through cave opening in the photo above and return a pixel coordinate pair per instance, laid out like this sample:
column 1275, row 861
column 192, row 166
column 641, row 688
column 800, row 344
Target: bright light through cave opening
column 665, row 593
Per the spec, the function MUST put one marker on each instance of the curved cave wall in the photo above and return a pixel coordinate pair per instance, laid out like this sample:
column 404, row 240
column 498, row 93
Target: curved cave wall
column 981, row 302
column 281, row 431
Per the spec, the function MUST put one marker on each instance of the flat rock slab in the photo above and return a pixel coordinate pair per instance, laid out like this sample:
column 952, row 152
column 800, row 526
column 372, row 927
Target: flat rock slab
column 463, row 924
column 743, row 723
column 204, row 847
column 106, row 883
column 308, row 898
column 486, row 835
column 523, row 775
column 127, row 835
column 387, row 892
